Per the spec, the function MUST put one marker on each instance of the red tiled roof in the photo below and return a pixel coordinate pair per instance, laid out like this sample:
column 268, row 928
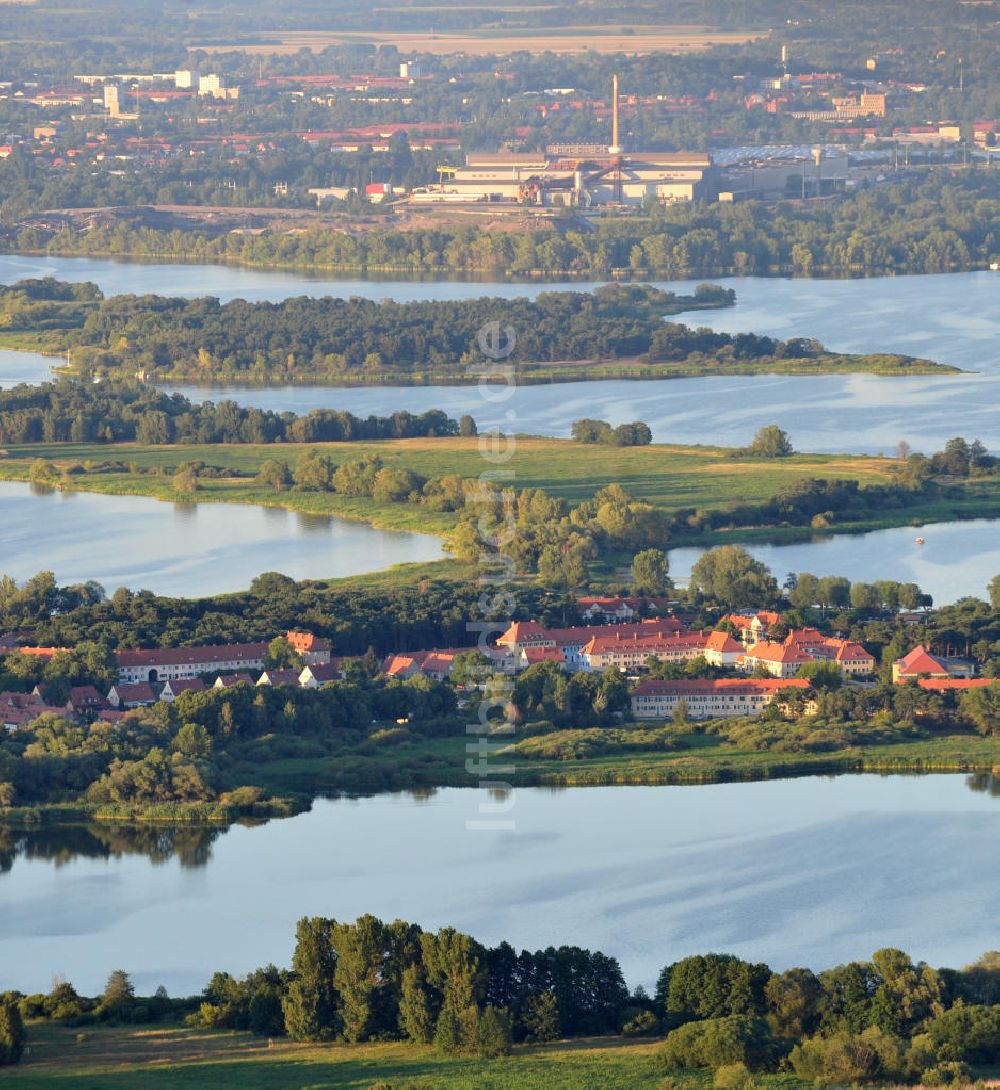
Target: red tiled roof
column 178, row 656
column 920, row 661
column 953, row 684
column 729, row 685
column 777, row 652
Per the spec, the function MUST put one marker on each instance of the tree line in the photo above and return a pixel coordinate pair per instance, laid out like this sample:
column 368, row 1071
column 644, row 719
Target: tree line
column 303, row 337
column 885, row 1019
column 932, row 223
column 72, row 410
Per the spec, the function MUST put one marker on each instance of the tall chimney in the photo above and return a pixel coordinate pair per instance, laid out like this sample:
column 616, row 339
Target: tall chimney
column 615, row 148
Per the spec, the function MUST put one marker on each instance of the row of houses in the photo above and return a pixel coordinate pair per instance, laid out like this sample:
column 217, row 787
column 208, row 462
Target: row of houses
column 629, row 646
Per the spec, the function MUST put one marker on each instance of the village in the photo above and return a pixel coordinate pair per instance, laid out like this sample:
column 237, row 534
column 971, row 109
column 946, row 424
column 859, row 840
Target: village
column 749, row 661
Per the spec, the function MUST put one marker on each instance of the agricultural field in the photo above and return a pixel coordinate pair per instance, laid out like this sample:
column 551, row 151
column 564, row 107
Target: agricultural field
column 480, row 43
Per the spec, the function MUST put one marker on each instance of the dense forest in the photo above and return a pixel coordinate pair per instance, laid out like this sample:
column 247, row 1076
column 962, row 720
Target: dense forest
column 883, row 1020
column 69, row 410
column 363, row 340
column 927, row 224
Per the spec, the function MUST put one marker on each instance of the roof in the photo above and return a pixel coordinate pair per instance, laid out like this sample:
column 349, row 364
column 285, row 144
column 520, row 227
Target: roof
column 178, row 656
column 653, row 641
column 729, row 686
column 327, row 671
column 921, row 661
column 84, row 695
column 306, row 641
column 723, row 642
column 185, row 685
column 140, row 692
column 521, row 632
column 279, row 677
column 767, row 651
column 544, row 654
column 955, row 684
column 229, row 680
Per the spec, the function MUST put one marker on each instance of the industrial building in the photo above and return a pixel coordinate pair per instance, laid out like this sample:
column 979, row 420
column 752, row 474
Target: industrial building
column 578, row 176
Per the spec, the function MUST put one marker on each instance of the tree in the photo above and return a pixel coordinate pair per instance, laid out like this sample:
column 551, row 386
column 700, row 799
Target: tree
column 771, row 442
column 448, row 1033
column 495, row 1033
column 314, row 472
column 467, row 426
column 541, row 1017
column 793, row 1002
column 274, row 474
column 11, row 1030
column 185, row 480
column 994, row 592
column 649, row 571
column 282, row 656
column 118, row 998
column 311, row 1004
column 731, row 576
column 416, row 1015
column 981, row 707
column 822, row 674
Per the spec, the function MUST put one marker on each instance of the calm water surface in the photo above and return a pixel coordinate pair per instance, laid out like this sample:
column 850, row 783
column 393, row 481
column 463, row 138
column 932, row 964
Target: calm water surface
column 957, row 559
column 798, row 872
column 952, row 318
column 188, row 550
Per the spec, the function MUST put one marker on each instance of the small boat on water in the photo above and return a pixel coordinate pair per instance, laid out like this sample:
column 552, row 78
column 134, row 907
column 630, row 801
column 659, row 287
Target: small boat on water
column 920, row 541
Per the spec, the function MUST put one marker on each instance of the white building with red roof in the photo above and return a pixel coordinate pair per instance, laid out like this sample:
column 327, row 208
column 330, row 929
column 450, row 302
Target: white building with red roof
column 782, row 660
column 724, row 698
column 921, row 663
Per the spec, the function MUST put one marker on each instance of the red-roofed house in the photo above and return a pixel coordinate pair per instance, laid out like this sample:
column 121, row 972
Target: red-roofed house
column 313, row 649
column 572, row 641
column 724, row 698
column 173, row 689
column 85, row 701
column 921, row 663
column 721, row 649
column 131, row 696
column 852, row 659
column 315, row 677
column 779, row 659
column 227, row 681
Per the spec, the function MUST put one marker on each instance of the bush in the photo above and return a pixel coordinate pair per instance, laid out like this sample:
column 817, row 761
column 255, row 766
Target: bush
column 733, row 1077
column 717, row 1042
column 950, row 1073
column 641, row 1025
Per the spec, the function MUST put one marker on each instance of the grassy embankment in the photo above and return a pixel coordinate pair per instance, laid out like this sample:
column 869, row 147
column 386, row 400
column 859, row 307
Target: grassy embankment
column 700, row 759
column 670, row 477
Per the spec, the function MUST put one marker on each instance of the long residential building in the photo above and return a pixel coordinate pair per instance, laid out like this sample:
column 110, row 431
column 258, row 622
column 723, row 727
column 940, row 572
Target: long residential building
column 571, row 642
column 725, row 698
column 177, row 663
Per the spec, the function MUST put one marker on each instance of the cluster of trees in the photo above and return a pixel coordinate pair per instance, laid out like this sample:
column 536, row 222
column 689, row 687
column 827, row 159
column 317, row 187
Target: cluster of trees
column 302, row 337
column 540, row 533
column 925, row 224
column 72, row 410
column 636, row 434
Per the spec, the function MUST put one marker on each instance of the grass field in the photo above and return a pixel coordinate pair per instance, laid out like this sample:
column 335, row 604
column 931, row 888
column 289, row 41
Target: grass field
column 670, row 477
column 667, row 476
column 485, row 42
column 113, row 1058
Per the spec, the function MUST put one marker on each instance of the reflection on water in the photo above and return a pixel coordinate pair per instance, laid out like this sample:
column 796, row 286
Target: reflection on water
column 61, row 845
column 185, row 548
column 814, row 871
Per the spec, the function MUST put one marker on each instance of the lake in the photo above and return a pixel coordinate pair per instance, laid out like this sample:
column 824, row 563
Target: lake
column 807, row 872
column 189, row 550
column 957, row 559
column 952, row 318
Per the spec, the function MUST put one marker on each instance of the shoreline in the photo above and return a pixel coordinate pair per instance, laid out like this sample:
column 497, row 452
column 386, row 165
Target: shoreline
column 496, row 275
column 48, row 816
